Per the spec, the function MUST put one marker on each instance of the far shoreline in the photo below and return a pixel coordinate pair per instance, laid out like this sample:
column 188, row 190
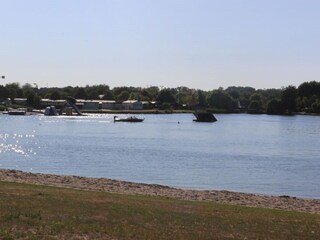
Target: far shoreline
column 123, row 187
column 168, row 111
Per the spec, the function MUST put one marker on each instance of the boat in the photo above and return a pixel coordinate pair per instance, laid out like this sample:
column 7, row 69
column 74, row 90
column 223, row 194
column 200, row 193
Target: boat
column 204, row 117
column 17, row 111
column 128, row 119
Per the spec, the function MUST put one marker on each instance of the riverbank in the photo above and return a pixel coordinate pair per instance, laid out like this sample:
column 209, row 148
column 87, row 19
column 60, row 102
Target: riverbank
column 123, row 187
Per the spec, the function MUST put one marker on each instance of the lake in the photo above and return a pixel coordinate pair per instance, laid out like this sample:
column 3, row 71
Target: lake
column 276, row 155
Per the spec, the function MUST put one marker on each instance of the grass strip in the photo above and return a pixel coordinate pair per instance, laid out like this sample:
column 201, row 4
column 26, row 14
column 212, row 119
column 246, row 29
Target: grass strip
column 41, row 212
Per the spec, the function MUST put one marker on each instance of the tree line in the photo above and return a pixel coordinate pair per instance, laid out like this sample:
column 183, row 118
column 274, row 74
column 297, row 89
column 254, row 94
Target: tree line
column 287, row 100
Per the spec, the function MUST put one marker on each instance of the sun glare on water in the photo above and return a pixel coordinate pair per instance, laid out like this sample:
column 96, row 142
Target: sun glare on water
column 17, row 143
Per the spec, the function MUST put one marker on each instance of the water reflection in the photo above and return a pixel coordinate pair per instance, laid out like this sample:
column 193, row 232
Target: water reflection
column 19, row 144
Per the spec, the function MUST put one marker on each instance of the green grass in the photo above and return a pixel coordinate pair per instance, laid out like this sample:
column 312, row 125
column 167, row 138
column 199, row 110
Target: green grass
column 40, row 212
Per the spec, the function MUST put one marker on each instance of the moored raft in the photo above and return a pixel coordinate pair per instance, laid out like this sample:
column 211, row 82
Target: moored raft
column 204, row 117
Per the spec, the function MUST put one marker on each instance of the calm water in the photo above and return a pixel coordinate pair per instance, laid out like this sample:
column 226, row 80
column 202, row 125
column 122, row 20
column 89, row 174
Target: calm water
column 249, row 153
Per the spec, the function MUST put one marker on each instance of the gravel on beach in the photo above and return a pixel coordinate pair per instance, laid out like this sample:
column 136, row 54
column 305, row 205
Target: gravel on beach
column 114, row 186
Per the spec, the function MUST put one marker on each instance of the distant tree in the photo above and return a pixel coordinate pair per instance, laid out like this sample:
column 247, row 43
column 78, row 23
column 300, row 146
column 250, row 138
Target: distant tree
column 151, row 92
column 166, row 96
column 255, row 103
column 36, row 101
column 108, row 95
column 235, row 94
column 288, row 98
column 67, row 91
column 275, row 107
column 192, row 99
column 255, row 107
column 55, row 95
column 30, row 98
column 307, row 89
column 219, row 99
column 202, row 98
column 96, row 91
column 93, row 94
column 80, row 93
column 135, row 96
column 316, row 106
column 4, row 93
column 123, row 96
column 26, row 89
column 118, row 90
column 256, row 97
column 14, row 90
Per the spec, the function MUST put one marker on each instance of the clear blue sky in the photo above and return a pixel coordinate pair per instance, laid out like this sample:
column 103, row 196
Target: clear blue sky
column 202, row 44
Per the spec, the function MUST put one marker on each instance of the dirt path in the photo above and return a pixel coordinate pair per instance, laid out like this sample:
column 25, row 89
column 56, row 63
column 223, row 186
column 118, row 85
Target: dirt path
column 114, row 186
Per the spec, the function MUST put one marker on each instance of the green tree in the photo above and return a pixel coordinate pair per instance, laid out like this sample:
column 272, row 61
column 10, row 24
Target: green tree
column 255, row 103
column 108, row 95
column 316, row 106
column 275, row 107
column 192, row 99
column 166, row 96
column 123, row 96
column 288, row 98
column 307, row 89
column 219, row 99
column 81, row 93
column 202, row 98
column 26, row 89
column 150, row 93
column 255, row 107
column 30, row 99
column 14, row 90
column 4, row 93
column 55, row 95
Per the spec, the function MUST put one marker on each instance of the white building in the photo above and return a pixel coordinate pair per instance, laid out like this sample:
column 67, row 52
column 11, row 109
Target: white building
column 132, row 105
column 48, row 102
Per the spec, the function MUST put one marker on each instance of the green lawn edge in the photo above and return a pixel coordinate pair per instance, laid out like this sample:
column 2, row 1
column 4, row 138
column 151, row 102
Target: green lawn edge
column 41, row 212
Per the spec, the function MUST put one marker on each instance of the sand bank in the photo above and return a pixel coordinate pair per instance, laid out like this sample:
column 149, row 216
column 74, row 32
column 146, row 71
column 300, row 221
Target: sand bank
column 115, row 186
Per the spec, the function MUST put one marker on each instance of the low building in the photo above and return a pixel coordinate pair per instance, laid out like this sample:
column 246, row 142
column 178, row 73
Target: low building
column 132, row 105
column 111, row 105
column 89, row 104
column 147, row 105
column 20, row 101
column 48, row 102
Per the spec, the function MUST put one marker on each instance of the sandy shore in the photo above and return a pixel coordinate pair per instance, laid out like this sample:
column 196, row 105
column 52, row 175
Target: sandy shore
column 114, row 186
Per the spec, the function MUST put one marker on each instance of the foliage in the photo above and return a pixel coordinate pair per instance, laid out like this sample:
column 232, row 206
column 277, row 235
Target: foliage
column 80, row 93
column 166, row 96
column 123, row 96
column 221, row 100
column 307, row 89
column 275, row 107
column 316, row 106
column 305, row 98
column 255, row 107
column 288, row 99
column 55, row 95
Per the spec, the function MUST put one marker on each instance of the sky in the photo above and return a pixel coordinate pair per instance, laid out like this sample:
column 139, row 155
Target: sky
column 201, row 44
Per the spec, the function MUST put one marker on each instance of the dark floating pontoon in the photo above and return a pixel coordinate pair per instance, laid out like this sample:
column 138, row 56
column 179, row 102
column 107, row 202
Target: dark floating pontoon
column 204, row 117
column 17, row 111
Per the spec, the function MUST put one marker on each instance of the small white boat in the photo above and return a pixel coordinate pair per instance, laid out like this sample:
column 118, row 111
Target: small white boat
column 128, row 119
